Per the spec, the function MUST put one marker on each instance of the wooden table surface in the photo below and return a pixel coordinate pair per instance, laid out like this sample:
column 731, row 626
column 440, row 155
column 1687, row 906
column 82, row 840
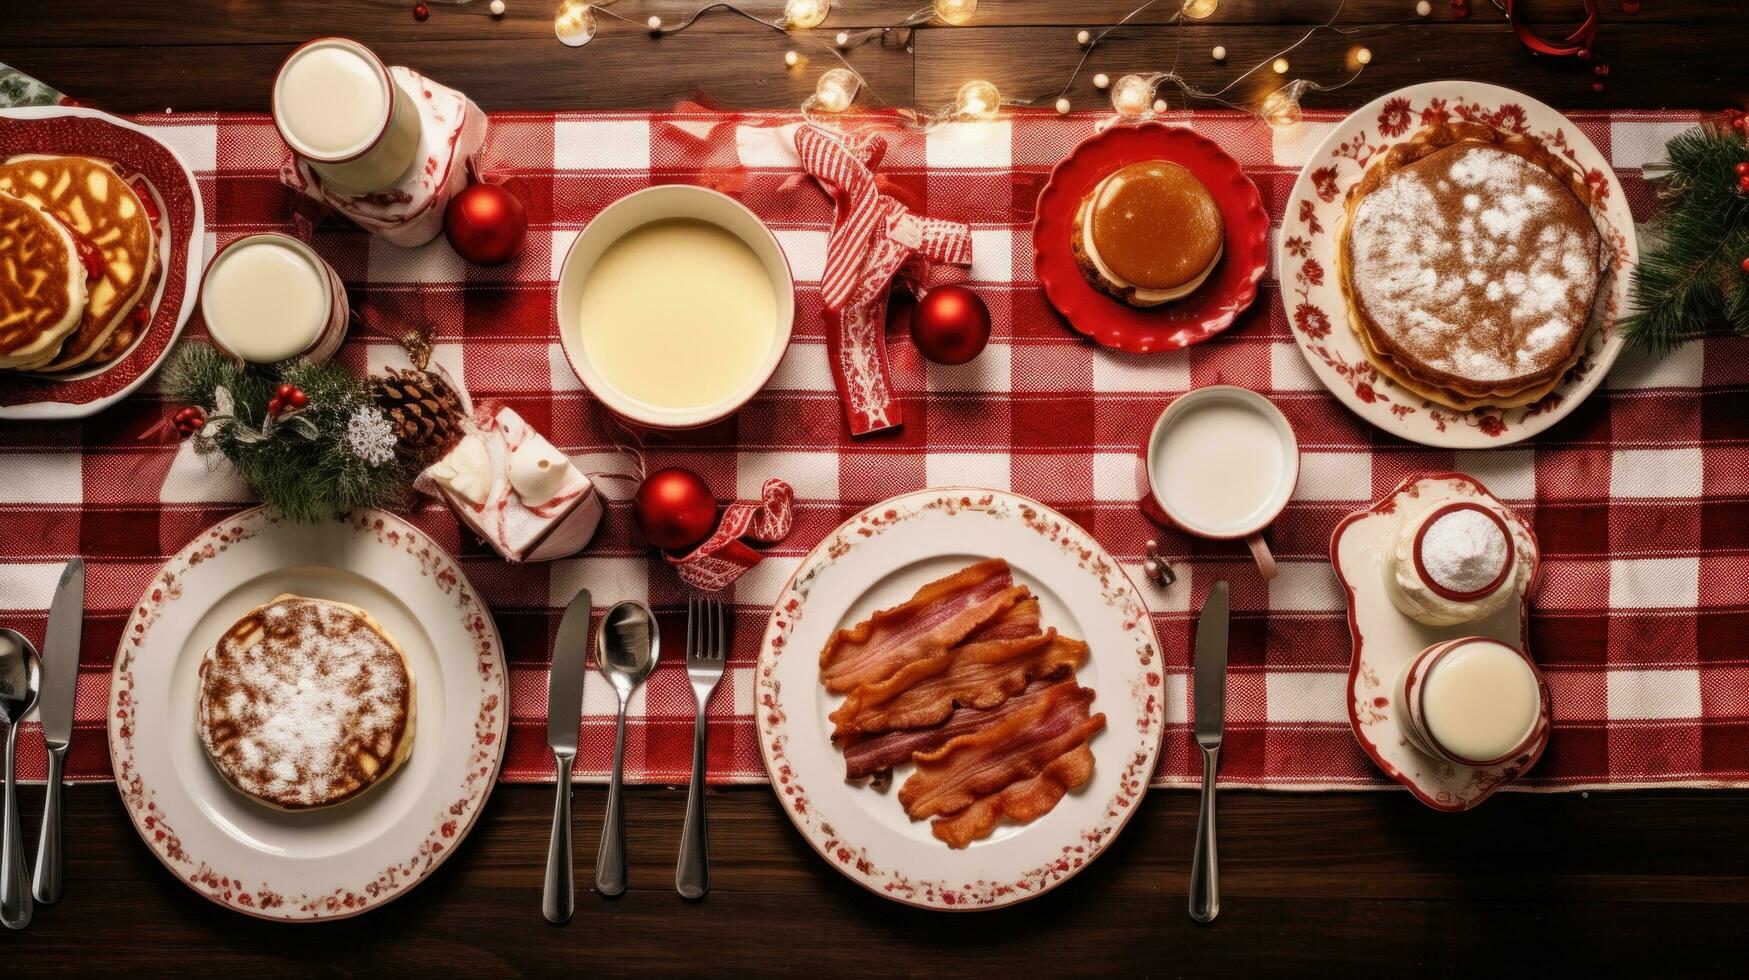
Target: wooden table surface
column 1616, row 883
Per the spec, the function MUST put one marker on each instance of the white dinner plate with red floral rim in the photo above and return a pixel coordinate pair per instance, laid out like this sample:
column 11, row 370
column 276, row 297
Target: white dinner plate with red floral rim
column 341, row 860
column 877, row 559
column 76, row 130
column 1312, row 295
column 1385, row 640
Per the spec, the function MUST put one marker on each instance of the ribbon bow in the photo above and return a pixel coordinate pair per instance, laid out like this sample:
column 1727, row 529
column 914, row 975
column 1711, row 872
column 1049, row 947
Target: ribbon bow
column 873, row 239
column 725, row 557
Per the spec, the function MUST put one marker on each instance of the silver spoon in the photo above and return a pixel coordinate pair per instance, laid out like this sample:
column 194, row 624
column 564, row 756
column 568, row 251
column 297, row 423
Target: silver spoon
column 626, row 647
column 20, row 681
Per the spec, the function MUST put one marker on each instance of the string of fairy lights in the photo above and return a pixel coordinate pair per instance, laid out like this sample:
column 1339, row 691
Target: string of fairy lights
column 1134, row 97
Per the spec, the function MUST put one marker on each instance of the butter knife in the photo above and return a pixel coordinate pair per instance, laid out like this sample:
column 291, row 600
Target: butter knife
column 1211, row 707
column 55, row 711
column 564, row 711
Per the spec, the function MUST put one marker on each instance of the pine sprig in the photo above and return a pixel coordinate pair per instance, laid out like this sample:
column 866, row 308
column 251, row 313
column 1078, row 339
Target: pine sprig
column 306, row 479
column 1692, row 278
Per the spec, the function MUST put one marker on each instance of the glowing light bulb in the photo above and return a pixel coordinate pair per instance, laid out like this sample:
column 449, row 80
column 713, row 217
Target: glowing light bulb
column 955, row 12
column 1159, row 106
column 1363, row 56
column 1082, row 37
column 1101, row 80
column 791, row 59
column 1219, row 53
column 1281, row 108
column 574, row 23
column 842, row 40
column 803, row 14
column 1131, row 95
column 977, row 99
column 836, row 89
column 654, row 23
column 1198, row 9
column 1280, row 67
column 1063, row 107
column 496, row 7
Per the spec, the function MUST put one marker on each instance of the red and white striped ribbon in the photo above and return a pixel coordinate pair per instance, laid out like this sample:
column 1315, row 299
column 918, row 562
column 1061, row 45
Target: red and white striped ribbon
column 873, row 237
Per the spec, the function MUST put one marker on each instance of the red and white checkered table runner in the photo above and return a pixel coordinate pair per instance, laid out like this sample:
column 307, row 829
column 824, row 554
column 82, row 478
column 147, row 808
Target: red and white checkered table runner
column 1638, row 498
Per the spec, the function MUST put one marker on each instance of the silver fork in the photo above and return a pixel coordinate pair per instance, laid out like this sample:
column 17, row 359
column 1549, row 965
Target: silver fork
column 707, row 646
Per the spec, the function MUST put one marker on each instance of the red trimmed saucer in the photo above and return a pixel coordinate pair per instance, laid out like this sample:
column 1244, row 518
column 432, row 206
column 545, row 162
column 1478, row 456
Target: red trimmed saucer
column 1206, row 312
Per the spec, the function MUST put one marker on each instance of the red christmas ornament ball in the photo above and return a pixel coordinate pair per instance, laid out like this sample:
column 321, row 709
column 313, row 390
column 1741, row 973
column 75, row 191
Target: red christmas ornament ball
column 675, row 509
column 485, row 224
column 951, row 325
column 1746, row 265
column 420, row 12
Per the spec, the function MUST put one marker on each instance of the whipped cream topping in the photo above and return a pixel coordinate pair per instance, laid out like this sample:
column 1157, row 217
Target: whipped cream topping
column 1462, row 560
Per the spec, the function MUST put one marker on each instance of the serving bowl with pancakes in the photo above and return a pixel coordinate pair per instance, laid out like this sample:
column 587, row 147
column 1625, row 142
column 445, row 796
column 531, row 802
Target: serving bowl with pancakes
column 305, row 720
column 1453, row 263
column 1149, row 237
column 93, row 303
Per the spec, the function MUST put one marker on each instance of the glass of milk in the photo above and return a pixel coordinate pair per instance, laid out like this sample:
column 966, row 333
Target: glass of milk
column 1472, row 701
column 338, row 108
column 269, row 297
column 1222, row 462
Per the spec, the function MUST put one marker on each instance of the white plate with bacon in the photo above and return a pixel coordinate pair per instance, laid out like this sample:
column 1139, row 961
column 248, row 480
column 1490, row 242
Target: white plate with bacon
column 959, row 698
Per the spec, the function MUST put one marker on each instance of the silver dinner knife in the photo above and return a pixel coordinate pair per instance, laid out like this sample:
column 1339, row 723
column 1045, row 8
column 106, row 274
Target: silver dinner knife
column 564, row 711
column 55, row 711
column 1211, row 708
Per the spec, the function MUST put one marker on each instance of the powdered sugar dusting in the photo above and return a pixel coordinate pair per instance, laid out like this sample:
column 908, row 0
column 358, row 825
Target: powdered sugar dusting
column 1476, row 261
column 302, row 702
column 1464, row 550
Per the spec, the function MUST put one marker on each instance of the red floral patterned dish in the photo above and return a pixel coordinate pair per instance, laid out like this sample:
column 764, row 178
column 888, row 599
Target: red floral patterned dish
column 181, row 250
column 1317, row 311
column 876, row 559
column 1385, row 639
column 1208, row 311
column 341, row 860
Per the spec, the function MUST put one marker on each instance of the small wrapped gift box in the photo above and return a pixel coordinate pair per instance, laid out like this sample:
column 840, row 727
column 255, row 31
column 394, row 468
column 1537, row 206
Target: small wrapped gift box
column 409, row 213
column 516, row 491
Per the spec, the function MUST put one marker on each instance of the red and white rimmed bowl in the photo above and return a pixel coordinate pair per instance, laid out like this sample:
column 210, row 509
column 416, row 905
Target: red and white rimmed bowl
column 877, row 559
column 78, row 131
column 341, row 860
column 633, row 211
column 1213, row 307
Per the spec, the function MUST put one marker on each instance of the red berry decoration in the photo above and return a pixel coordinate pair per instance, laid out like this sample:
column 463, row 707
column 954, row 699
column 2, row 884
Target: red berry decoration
column 1743, row 183
column 1630, row 6
column 273, row 406
column 297, row 398
column 420, row 12
column 485, row 224
column 1746, row 265
column 675, row 509
column 951, row 325
column 189, row 419
column 1743, row 169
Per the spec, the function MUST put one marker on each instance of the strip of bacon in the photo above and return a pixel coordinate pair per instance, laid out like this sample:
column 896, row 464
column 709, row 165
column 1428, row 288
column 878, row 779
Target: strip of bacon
column 940, row 615
column 978, row 675
column 875, row 753
column 1023, row 801
column 1020, row 747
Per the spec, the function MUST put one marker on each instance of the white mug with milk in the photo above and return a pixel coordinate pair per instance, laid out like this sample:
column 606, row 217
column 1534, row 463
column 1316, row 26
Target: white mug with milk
column 270, row 297
column 1222, row 463
column 337, row 107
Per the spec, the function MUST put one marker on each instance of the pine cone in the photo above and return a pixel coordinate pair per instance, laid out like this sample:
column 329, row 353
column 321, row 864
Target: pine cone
column 424, row 411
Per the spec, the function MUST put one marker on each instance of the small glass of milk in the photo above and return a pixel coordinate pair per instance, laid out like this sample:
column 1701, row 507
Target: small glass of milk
column 1222, row 462
column 270, row 297
column 1472, row 701
column 338, row 108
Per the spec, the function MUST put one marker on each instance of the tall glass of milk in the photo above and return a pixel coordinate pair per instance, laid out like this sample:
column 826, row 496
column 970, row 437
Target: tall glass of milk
column 338, row 108
column 270, row 297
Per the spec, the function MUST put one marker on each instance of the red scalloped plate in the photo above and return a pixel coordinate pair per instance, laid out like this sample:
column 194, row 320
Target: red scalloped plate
column 1208, row 311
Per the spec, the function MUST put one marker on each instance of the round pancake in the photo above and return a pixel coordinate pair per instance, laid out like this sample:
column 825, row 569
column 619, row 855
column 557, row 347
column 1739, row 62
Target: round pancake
column 42, row 285
column 1148, row 233
column 93, row 200
column 305, row 703
column 1470, row 263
